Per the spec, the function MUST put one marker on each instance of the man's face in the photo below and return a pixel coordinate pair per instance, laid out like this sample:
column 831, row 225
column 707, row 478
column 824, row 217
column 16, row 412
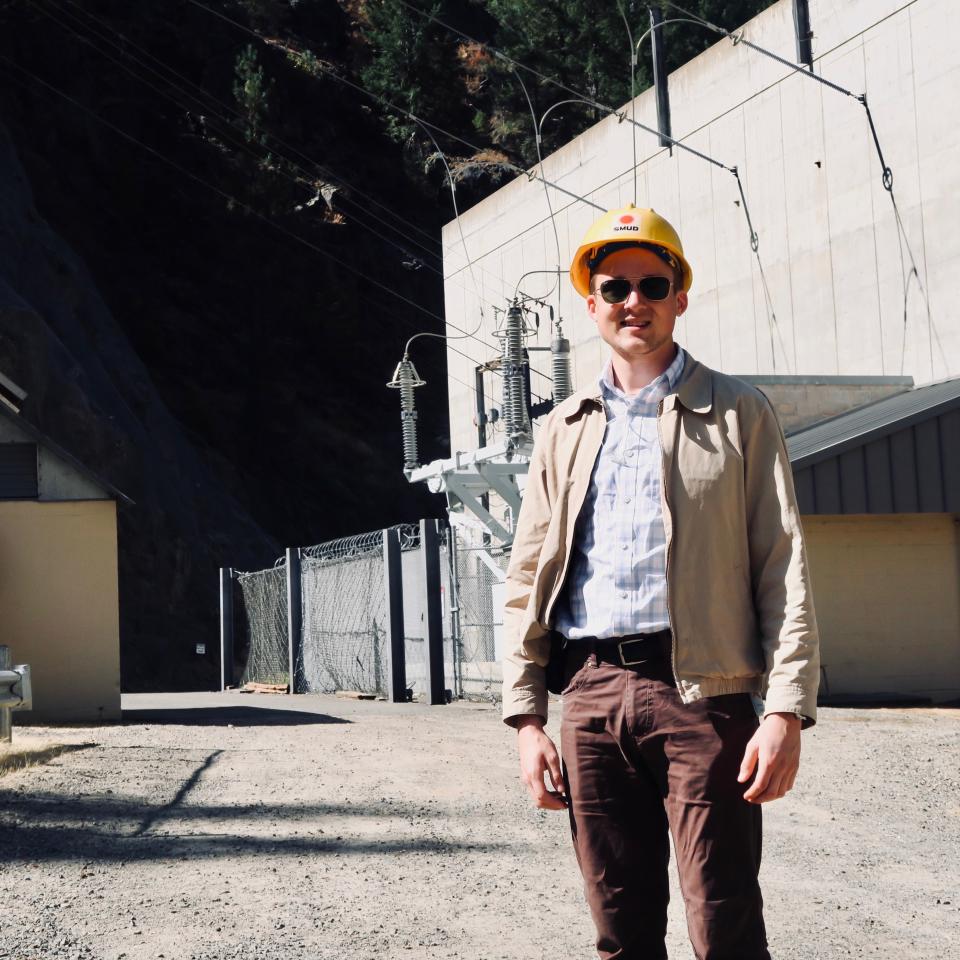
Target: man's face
column 637, row 327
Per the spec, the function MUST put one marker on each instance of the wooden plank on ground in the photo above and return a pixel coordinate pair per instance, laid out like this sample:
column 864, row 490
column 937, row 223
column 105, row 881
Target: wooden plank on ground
column 265, row 688
column 355, row 695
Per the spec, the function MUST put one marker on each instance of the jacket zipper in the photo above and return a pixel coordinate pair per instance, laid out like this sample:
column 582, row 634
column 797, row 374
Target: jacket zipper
column 666, row 509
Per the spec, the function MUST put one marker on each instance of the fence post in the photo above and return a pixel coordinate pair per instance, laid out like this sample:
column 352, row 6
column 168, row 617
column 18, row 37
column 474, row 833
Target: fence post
column 294, row 616
column 433, row 619
column 393, row 584
column 226, row 627
column 453, row 563
column 6, row 716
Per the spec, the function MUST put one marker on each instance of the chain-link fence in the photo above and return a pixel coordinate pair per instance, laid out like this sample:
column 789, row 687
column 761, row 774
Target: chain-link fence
column 263, row 625
column 344, row 617
column 479, row 586
column 345, row 644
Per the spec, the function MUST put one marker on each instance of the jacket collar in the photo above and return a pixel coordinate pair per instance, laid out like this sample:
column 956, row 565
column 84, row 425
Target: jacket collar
column 694, row 391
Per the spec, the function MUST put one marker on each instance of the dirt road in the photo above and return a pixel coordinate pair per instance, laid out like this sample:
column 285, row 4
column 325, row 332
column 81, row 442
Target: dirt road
column 229, row 826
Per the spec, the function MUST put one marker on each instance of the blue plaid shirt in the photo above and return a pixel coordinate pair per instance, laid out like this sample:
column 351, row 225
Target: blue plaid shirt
column 617, row 579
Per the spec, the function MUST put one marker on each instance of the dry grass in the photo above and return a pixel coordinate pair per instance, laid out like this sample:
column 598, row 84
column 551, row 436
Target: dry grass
column 17, row 756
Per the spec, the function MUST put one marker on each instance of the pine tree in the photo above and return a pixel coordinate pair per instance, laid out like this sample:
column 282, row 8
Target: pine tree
column 444, row 78
column 414, row 64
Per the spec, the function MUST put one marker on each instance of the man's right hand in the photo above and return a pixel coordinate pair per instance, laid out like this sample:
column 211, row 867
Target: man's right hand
column 538, row 755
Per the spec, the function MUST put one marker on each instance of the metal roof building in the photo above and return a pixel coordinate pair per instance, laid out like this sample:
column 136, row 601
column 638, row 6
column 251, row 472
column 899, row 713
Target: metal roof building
column 898, row 455
column 59, row 592
column 879, row 491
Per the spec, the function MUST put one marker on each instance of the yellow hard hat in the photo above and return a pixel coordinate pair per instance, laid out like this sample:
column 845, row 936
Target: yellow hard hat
column 628, row 224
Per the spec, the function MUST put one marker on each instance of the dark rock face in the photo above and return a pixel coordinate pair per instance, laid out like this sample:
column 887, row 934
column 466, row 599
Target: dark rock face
column 188, row 325
column 90, row 392
column 310, row 472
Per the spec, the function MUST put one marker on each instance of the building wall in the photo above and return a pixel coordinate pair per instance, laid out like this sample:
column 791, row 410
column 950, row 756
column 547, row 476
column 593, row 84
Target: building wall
column 828, row 238
column 887, row 594
column 803, row 401
column 60, row 608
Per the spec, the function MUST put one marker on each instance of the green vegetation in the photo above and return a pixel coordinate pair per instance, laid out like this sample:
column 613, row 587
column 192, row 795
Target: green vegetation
column 250, row 89
column 432, row 71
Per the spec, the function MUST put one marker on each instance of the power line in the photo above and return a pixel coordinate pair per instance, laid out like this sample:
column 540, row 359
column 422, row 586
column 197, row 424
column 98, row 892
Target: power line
column 546, row 78
column 310, row 179
column 315, row 62
column 272, row 136
column 361, row 89
column 246, row 148
column 240, row 142
column 242, row 204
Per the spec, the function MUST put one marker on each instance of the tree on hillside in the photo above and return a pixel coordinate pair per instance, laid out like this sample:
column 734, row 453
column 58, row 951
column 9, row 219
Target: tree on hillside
column 582, row 45
column 413, row 64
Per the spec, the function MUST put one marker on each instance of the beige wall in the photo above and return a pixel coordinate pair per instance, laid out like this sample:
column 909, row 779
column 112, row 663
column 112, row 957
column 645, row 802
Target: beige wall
column 887, row 592
column 800, row 405
column 59, row 607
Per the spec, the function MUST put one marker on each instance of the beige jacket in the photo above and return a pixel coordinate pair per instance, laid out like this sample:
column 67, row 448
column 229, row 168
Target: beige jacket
column 739, row 596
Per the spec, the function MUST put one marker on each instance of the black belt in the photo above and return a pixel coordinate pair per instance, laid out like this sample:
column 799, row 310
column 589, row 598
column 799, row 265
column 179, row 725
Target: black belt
column 630, row 650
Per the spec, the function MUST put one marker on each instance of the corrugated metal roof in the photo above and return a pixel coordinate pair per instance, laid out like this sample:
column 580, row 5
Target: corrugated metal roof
column 898, row 455
column 838, row 434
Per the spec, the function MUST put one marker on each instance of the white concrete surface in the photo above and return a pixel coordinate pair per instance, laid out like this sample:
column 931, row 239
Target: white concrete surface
column 828, row 238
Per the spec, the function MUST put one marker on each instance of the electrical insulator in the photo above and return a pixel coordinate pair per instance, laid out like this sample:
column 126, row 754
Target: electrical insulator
column 405, row 378
column 560, row 363
column 515, row 417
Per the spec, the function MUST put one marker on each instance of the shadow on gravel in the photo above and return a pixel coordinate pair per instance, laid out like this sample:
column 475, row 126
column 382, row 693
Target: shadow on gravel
column 229, row 716
column 128, row 813
column 31, row 844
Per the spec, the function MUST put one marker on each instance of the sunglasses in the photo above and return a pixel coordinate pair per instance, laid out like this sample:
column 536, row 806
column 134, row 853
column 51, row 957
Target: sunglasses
column 617, row 289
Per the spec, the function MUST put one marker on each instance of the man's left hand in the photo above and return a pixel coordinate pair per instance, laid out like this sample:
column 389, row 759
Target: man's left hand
column 774, row 752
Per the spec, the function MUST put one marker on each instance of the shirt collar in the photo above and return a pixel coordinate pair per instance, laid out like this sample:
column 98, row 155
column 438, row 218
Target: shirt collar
column 663, row 384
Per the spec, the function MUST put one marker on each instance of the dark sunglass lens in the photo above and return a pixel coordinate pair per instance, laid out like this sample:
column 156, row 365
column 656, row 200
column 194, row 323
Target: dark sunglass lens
column 616, row 290
column 655, row 288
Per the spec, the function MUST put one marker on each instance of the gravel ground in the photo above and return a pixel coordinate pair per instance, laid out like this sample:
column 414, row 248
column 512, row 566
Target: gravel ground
column 221, row 826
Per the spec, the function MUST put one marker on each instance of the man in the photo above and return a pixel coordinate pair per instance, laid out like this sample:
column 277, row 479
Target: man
column 659, row 555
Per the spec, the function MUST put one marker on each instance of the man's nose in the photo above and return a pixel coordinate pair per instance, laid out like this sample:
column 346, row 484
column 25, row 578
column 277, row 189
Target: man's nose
column 634, row 300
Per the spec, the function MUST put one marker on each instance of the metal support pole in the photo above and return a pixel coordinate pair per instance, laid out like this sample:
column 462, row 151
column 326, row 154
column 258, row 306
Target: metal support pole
column 660, row 79
column 6, row 717
column 294, row 618
column 393, row 585
column 226, row 627
column 433, row 615
column 801, row 24
column 453, row 561
column 481, row 413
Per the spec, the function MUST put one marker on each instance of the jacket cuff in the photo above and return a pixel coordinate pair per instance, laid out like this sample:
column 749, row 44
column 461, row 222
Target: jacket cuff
column 525, row 706
column 792, row 699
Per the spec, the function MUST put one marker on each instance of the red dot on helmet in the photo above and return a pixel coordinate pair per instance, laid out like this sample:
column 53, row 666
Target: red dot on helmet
column 626, row 218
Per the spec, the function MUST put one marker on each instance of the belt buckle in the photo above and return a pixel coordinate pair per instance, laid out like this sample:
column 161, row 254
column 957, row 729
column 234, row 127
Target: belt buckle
column 623, row 659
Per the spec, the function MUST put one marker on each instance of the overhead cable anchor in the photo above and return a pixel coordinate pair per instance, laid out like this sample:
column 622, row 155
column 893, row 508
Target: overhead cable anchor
column 887, row 175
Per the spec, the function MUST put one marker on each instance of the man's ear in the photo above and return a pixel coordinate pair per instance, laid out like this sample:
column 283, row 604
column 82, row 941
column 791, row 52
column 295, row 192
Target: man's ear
column 681, row 302
column 592, row 306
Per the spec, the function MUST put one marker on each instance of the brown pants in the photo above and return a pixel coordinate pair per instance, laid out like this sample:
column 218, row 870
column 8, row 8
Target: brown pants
column 638, row 761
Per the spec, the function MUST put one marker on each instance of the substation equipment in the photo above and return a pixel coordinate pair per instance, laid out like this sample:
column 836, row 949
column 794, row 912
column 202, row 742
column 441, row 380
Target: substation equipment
column 468, row 477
